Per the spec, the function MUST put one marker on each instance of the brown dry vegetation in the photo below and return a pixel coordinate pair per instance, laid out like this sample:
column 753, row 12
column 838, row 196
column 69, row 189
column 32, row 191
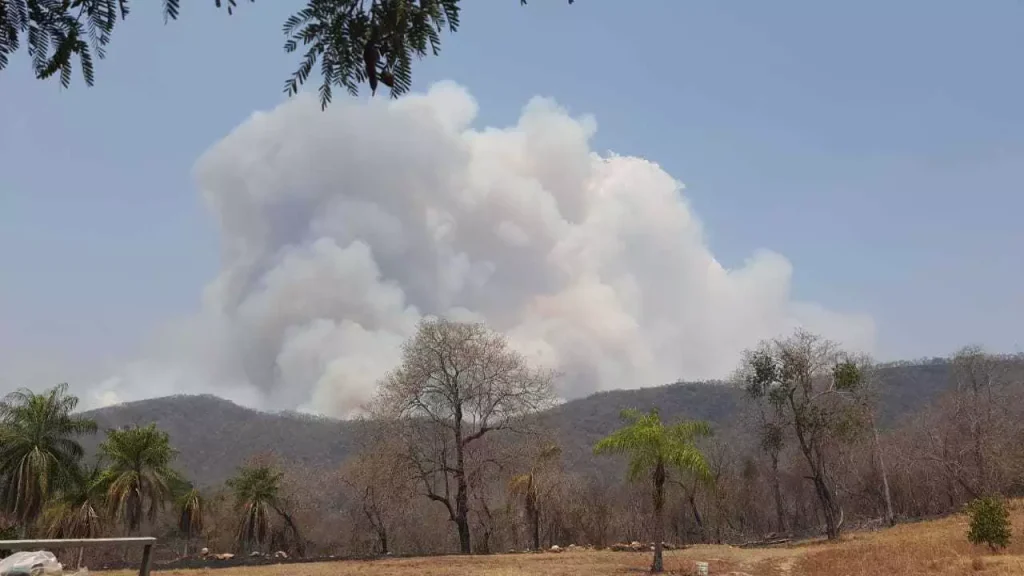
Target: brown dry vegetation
column 721, row 559
column 937, row 547
column 934, row 548
column 936, row 451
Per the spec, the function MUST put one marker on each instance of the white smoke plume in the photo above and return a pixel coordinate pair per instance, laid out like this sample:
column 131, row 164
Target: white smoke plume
column 341, row 229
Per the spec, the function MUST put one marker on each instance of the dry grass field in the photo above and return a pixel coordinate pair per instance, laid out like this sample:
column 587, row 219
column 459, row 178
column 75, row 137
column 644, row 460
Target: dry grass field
column 935, row 548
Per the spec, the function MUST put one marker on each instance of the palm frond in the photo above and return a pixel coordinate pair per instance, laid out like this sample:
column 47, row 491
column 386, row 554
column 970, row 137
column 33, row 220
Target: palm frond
column 138, row 482
column 190, row 512
column 257, row 492
column 649, row 442
column 39, row 448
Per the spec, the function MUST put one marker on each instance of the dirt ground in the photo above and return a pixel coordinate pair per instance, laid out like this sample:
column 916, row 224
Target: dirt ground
column 935, row 548
column 721, row 560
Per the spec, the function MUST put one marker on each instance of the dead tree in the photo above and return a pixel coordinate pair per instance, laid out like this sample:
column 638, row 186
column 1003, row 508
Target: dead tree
column 457, row 383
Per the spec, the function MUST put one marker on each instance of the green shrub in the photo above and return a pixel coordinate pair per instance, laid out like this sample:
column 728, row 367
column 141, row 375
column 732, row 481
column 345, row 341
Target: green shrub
column 990, row 522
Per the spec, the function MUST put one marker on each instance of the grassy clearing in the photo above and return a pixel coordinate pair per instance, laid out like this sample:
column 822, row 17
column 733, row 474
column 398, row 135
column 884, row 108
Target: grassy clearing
column 936, row 548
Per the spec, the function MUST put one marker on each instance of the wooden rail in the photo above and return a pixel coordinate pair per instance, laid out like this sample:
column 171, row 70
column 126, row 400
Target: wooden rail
column 145, row 542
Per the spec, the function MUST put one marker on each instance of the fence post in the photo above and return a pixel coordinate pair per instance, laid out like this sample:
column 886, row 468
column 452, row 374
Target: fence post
column 146, row 554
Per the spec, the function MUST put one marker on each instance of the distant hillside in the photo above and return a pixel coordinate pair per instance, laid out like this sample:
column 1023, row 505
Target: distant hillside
column 215, row 436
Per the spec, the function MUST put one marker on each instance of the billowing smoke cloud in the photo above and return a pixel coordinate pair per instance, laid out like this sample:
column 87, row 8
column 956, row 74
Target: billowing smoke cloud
column 341, row 229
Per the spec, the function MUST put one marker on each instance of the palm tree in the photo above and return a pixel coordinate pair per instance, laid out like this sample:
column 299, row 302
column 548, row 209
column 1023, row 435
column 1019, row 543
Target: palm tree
column 654, row 449
column 139, row 480
column 527, row 486
column 257, row 489
column 190, row 515
column 39, row 452
column 75, row 512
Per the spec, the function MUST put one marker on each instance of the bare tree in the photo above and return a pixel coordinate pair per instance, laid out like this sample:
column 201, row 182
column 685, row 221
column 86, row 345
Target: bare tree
column 815, row 385
column 890, row 516
column 973, row 429
column 380, row 489
column 975, row 377
column 770, row 428
column 457, row 383
column 869, row 399
column 533, row 486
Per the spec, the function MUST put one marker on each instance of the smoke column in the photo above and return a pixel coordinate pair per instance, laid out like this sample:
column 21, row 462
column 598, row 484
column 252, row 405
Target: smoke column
column 341, row 229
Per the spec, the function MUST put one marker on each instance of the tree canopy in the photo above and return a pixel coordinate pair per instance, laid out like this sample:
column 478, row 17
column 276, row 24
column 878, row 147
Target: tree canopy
column 352, row 41
column 815, row 390
column 39, row 449
column 191, row 507
column 655, row 449
column 459, row 384
column 76, row 512
column 257, row 491
column 139, row 481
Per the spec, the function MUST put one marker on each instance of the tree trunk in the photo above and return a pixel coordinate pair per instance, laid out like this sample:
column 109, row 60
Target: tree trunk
column 462, row 525
column 81, row 553
column 979, row 457
column 486, row 526
column 462, row 508
column 535, row 524
column 828, row 507
column 815, row 461
column 300, row 544
column 696, row 516
column 890, row 517
column 382, row 534
column 658, row 565
column 780, row 507
column 461, row 488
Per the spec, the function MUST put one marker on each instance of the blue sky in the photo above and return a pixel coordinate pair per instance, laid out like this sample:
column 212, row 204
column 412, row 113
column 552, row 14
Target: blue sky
column 877, row 145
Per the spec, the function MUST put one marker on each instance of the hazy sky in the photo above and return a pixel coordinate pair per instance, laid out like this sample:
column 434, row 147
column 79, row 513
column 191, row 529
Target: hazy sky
column 877, row 146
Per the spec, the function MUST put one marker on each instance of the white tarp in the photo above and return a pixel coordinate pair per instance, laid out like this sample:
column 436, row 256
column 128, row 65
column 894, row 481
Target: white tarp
column 40, row 563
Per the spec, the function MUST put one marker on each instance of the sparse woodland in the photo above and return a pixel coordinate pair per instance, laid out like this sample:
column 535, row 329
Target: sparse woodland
column 465, row 451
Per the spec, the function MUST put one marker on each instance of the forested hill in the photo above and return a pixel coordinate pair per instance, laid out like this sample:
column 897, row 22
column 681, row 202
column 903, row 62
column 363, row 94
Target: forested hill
column 214, row 436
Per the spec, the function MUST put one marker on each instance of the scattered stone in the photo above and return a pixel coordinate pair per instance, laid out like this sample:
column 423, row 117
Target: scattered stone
column 204, row 552
column 556, row 548
column 281, row 554
column 225, row 556
column 255, row 554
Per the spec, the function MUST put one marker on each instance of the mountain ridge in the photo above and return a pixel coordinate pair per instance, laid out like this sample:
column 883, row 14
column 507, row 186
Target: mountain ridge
column 214, row 435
